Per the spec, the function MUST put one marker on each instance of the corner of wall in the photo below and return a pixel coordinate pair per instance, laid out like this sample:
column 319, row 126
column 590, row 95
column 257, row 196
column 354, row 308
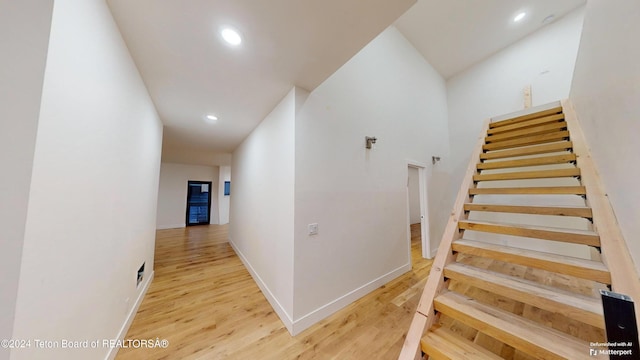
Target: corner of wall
column 262, row 205
column 306, row 321
column 301, row 95
column 284, row 316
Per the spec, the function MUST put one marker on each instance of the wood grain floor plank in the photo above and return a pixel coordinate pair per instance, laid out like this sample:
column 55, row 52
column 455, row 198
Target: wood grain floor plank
column 204, row 301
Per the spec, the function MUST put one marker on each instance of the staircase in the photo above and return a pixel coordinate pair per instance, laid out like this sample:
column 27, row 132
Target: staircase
column 531, row 240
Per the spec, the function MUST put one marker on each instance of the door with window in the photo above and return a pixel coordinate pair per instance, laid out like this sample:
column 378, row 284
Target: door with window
column 198, row 203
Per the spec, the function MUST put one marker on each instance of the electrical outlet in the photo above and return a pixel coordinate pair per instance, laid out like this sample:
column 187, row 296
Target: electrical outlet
column 140, row 275
column 313, row 229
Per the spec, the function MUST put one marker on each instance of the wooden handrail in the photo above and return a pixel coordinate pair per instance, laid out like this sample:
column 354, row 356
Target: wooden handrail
column 615, row 253
column 424, row 316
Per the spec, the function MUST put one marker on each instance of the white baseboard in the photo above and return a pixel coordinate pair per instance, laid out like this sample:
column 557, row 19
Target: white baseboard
column 306, row 321
column 174, row 226
column 111, row 355
column 275, row 304
column 434, row 252
column 327, row 310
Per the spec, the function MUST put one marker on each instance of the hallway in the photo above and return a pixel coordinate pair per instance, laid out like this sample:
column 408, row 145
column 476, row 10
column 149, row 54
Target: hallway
column 205, row 303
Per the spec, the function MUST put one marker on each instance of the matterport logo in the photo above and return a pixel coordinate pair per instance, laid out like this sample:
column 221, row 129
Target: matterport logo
column 611, row 352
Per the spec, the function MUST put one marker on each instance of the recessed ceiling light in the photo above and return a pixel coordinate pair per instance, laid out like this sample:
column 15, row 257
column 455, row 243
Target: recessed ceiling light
column 519, row 17
column 211, row 118
column 231, row 36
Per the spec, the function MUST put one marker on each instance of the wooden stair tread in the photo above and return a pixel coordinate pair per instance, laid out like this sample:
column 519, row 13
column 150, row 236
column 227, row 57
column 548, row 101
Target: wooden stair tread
column 440, row 343
column 523, row 334
column 522, row 118
column 538, row 190
column 579, row 307
column 584, row 237
column 567, row 265
column 541, row 160
column 521, row 175
column 577, row 211
column 529, row 150
column 525, row 141
column 525, row 124
column 529, row 131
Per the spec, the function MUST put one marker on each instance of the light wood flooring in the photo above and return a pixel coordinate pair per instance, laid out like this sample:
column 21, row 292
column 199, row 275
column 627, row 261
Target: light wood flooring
column 206, row 304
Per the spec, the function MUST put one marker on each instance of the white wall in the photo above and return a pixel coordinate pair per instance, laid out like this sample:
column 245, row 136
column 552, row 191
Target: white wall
column 414, row 196
column 24, row 38
column 358, row 196
column 172, row 192
column 605, row 93
column 92, row 206
column 544, row 60
column 223, row 200
column 262, row 207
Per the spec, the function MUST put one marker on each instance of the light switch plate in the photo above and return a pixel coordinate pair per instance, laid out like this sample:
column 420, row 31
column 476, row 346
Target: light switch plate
column 313, row 229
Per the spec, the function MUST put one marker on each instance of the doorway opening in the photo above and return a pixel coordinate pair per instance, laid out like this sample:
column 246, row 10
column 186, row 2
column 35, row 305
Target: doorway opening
column 198, row 203
column 417, row 210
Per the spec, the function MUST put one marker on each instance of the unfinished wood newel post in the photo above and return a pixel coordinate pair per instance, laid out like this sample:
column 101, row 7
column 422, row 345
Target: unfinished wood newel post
column 527, row 96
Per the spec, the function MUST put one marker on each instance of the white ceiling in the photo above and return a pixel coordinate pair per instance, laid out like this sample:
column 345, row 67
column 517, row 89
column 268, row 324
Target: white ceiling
column 190, row 72
column 455, row 34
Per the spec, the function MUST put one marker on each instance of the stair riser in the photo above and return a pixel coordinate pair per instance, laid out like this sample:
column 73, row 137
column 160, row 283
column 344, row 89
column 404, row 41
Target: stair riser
column 497, row 333
column 591, row 240
column 525, row 335
column 529, row 297
column 533, row 150
column 560, row 190
column 443, row 344
column 526, row 124
column 547, row 160
column 600, row 276
column 523, row 118
column 524, row 175
column 535, row 130
column 534, row 140
column 532, row 210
